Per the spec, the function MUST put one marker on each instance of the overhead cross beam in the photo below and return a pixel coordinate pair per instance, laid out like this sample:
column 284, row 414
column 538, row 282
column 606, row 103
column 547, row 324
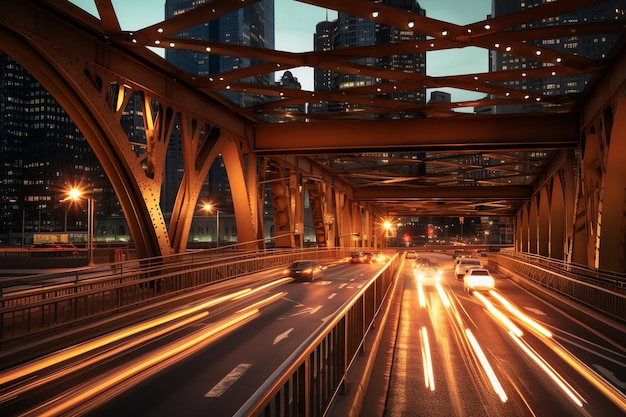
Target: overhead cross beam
column 504, row 132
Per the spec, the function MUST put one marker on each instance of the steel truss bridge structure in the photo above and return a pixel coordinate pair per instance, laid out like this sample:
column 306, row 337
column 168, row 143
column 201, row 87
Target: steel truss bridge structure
column 559, row 173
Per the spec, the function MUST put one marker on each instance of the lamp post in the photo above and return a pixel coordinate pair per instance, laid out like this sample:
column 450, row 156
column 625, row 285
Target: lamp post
column 75, row 194
column 387, row 227
column 209, row 208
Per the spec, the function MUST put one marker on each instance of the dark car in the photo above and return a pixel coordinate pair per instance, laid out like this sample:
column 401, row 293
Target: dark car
column 357, row 258
column 305, row 270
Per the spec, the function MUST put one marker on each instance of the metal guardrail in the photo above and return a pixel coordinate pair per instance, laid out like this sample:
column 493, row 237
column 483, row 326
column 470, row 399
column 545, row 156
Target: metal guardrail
column 607, row 279
column 307, row 383
column 600, row 290
column 44, row 304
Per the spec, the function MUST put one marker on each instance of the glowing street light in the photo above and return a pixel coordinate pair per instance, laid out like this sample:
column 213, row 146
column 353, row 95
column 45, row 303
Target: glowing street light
column 76, row 194
column 210, row 208
column 387, row 226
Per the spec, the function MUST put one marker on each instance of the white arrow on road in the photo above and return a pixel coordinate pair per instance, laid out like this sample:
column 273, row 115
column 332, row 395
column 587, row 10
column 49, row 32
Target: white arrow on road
column 610, row 375
column 282, row 336
column 536, row 311
column 308, row 310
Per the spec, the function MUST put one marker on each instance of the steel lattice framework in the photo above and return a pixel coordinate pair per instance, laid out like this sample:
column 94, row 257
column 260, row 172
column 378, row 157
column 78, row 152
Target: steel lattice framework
column 431, row 160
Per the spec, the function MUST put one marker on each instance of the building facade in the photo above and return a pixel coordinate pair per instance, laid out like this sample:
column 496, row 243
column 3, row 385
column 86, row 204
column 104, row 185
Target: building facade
column 588, row 46
column 43, row 155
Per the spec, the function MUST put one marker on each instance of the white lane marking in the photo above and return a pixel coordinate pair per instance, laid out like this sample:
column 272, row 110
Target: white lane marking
column 342, row 285
column 316, row 309
column 282, row 336
column 330, row 316
column 221, row 387
column 535, row 310
column 333, row 295
column 610, row 375
column 308, row 310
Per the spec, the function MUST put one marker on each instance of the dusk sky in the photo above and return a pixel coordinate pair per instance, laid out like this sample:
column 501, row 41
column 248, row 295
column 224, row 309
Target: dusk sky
column 295, row 26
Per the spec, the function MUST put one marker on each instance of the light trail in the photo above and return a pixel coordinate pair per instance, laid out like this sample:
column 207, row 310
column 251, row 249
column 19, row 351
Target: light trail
column 429, row 377
column 263, row 287
column 31, row 384
column 498, row 314
column 420, row 295
column 523, row 317
column 495, row 383
column 442, row 294
column 564, row 386
column 611, row 392
column 72, row 352
column 83, row 398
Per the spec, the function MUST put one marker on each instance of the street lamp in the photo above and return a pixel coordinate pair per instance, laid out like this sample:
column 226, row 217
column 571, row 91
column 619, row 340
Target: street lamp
column 209, row 208
column 75, row 194
column 387, row 226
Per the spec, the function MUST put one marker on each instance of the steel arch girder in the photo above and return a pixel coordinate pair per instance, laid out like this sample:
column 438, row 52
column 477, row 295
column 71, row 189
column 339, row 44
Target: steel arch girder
column 99, row 134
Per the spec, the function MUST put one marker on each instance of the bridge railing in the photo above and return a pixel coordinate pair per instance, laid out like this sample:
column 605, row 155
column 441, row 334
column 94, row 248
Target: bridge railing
column 602, row 291
column 307, row 383
column 35, row 306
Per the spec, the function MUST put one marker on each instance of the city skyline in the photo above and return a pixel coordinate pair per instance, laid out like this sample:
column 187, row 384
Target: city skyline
column 297, row 34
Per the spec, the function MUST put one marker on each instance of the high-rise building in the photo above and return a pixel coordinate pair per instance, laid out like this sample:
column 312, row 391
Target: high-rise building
column 253, row 26
column 349, row 32
column 249, row 26
column 43, row 154
column 588, row 46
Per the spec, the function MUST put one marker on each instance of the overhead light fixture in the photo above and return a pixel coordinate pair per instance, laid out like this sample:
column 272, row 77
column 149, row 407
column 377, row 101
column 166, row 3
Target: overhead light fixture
column 375, row 13
column 487, row 26
column 508, row 48
column 444, row 32
column 411, row 23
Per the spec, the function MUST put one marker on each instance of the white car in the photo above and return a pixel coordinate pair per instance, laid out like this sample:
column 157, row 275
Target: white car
column 478, row 279
column 463, row 265
column 428, row 273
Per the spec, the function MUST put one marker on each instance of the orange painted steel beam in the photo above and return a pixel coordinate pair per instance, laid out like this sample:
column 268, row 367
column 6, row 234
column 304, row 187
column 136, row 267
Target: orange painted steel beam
column 501, row 132
column 519, row 192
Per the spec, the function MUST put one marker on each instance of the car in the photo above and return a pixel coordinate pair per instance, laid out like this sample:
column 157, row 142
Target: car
column 478, row 279
column 368, row 257
column 428, row 273
column 411, row 255
column 380, row 258
column 463, row 265
column 357, row 258
column 305, row 270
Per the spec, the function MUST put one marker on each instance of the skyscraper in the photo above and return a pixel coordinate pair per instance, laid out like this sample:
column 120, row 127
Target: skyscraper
column 252, row 26
column 249, row 26
column 588, row 46
column 350, row 31
column 43, row 154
